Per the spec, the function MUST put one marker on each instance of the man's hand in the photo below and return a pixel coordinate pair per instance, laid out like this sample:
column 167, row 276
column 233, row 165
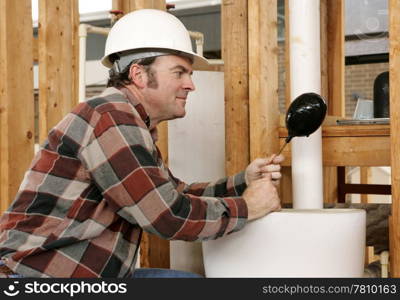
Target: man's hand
column 261, row 198
column 261, row 167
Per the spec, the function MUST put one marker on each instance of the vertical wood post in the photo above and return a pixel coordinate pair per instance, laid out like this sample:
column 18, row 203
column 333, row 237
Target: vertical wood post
column 16, row 96
column 365, row 175
column 394, row 77
column 56, row 62
column 332, row 75
column 131, row 5
column 75, row 20
column 288, row 98
column 263, row 78
column 235, row 55
column 333, row 56
column 286, row 182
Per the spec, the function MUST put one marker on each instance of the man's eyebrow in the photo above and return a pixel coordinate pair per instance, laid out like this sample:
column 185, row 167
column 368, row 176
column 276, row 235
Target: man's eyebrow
column 182, row 68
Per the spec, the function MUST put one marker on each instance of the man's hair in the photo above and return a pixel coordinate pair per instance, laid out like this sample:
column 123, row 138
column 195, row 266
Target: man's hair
column 121, row 79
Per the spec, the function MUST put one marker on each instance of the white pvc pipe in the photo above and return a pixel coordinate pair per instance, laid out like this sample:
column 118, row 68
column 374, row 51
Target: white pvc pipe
column 384, row 258
column 305, row 76
column 82, row 61
column 199, row 39
column 84, row 29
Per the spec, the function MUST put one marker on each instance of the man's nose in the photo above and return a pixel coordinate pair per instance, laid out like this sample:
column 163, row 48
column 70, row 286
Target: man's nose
column 188, row 84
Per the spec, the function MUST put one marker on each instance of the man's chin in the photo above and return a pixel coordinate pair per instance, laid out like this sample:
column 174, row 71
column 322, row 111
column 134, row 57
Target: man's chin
column 178, row 116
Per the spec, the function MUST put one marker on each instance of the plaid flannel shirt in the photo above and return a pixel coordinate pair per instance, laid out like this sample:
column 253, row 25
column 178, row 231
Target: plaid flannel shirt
column 95, row 184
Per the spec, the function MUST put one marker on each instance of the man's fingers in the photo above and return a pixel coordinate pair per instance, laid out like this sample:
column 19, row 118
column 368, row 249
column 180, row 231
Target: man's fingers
column 277, row 159
column 266, row 176
column 273, row 159
column 276, row 175
column 273, row 175
column 260, row 162
column 270, row 168
column 276, row 183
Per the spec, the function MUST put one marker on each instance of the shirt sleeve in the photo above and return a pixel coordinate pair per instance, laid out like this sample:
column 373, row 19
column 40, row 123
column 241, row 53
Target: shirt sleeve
column 122, row 160
column 232, row 186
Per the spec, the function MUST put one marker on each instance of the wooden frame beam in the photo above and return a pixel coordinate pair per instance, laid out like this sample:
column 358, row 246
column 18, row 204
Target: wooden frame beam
column 332, row 75
column 394, row 78
column 234, row 22
column 16, row 96
column 263, row 78
column 350, row 145
column 333, row 56
column 57, row 62
column 131, row 5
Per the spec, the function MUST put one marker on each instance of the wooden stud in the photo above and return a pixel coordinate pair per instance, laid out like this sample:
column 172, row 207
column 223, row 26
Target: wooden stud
column 56, row 63
column 330, row 184
column 16, row 96
column 235, row 55
column 285, row 191
column 324, row 48
column 285, row 188
column 394, row 77
column 75, row 20
column 155, row 4
column 131, row 5
column 263, row 78
column 332, row 75
column 122, row 5
column 335, row 57
column 365, row 175
column 35, row 47
column 288, row 97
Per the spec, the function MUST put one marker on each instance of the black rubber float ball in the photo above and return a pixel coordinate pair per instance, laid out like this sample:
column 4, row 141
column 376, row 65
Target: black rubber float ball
column 305, row 115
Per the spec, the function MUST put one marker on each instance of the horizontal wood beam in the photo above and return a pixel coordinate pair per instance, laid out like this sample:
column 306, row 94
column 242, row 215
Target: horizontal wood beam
column 360, row 188
column 351, row 151
column 349, row 131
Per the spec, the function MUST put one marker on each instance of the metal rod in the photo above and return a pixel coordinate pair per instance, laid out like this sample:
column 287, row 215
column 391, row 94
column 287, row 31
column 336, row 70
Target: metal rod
column 284, row 145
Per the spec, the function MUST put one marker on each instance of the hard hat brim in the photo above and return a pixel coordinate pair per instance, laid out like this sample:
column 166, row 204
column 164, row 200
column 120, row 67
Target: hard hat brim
column 199, row 62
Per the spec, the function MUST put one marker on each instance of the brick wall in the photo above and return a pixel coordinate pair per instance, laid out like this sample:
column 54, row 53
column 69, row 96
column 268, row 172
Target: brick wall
column 359, row 80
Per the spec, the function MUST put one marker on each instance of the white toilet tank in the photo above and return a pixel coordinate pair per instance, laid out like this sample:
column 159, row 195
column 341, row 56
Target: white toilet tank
column 292, row 243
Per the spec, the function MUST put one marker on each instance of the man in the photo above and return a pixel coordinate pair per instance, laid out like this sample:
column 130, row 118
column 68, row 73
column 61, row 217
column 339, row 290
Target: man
column 99, row 179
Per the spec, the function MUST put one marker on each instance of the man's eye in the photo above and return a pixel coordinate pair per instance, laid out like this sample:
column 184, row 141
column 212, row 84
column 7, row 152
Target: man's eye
column 179, row 73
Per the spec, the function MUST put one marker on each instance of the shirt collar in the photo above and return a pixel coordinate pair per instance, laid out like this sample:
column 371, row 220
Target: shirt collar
column 138, row 106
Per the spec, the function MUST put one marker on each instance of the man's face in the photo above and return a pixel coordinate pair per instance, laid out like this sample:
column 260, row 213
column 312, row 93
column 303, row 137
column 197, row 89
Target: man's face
column 168, row 83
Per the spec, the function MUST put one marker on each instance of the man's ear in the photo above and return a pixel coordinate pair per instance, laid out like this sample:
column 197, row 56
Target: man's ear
column 138, row 75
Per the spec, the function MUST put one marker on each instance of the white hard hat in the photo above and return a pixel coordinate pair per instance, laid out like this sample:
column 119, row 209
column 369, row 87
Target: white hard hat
column 150, row 31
